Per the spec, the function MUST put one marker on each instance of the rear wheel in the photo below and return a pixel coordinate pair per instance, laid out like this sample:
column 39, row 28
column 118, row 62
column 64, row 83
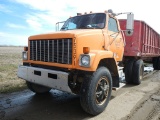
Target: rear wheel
column 138, row 69
column 129, row 71
column 96, row 91
column 156, row 63
column 39, row 89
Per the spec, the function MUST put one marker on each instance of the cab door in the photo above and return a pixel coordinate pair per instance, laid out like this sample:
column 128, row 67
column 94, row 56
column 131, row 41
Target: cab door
column 116, row 42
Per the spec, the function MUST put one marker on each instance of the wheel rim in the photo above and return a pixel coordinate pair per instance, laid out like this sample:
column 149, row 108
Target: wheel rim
column 102, row 90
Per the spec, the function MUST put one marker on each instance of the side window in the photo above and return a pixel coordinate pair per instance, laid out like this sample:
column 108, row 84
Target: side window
column 112, row 25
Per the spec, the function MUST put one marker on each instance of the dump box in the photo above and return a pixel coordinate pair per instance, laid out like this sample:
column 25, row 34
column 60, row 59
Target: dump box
column 145, row 41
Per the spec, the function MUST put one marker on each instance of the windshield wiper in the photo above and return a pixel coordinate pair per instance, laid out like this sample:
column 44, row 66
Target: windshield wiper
column 64, row 28
column 92, row 27
column 86, row 27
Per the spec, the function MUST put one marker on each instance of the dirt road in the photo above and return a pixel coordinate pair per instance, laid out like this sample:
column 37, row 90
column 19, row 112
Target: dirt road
column 129, row 103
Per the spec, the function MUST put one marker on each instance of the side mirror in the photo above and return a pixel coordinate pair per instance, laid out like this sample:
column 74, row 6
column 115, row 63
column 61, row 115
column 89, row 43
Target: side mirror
column 130, row 24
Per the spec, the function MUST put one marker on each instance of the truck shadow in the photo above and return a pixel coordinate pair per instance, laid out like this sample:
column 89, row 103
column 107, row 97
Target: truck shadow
column 61, row 105
column 55, row 105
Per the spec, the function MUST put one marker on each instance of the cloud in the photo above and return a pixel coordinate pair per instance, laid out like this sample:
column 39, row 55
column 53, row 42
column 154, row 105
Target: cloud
column 11, row 25
column 13, row 39
column 41, row 16
column 40, row 21
column 46, row 14
column 48, row 5
column 58, row 10
column 4, row 9
column 34, row 22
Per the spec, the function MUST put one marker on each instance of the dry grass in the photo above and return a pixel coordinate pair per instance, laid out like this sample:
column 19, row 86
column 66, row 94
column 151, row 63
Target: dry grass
column 10, row 58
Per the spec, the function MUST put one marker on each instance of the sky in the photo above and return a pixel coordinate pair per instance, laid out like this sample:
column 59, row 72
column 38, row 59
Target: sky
column 20, row 19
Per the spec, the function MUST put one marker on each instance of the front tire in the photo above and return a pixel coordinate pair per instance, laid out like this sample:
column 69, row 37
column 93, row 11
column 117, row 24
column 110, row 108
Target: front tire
column 39, row 89
column 96, row 91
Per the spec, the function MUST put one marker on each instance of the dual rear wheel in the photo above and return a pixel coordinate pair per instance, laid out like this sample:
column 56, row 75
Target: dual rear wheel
column 156, row 63
column 134, row 71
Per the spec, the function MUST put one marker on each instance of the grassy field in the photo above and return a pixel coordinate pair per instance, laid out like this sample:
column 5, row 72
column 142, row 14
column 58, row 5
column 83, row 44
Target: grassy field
column 10, row 58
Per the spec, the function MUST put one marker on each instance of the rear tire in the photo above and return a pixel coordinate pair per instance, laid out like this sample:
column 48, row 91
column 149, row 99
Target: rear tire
column 156, row 63
column 96, row 91
column 39, row 89
column 138, row 69
column 129, row 71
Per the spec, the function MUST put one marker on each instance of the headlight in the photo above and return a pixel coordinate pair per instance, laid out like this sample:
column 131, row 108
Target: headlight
column 25, row 55
column 84, row 60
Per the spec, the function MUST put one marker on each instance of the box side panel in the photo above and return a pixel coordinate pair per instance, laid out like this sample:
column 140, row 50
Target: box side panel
column 151, row 42
column 145, row 42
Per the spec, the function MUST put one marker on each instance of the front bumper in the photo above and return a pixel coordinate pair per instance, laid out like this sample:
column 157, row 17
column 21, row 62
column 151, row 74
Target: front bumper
column 49, row 78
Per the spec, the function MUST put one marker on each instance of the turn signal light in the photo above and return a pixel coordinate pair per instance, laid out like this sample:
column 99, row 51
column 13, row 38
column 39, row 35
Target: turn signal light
column 25, row 48
column 86, row 50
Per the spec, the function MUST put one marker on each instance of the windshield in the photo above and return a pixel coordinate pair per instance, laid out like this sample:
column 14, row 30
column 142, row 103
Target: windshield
column 89, row 21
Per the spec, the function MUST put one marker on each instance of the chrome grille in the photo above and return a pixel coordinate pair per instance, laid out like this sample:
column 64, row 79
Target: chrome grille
column 57, row 51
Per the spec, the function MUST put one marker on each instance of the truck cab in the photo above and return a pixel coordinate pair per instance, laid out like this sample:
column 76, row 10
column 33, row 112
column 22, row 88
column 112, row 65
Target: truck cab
column 81, row 58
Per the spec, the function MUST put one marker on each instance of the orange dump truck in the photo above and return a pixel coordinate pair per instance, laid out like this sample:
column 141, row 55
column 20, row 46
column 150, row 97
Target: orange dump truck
column 82, row 58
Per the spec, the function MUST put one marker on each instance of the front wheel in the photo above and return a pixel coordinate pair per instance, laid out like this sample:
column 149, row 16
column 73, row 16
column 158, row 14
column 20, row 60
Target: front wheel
column 96, row 91
column 39, row 89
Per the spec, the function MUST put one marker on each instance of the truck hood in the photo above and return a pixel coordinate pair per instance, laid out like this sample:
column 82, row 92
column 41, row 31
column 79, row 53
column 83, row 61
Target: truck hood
column 66, row 34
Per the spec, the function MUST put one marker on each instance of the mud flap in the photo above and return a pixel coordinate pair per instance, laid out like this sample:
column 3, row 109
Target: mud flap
column 115, row 81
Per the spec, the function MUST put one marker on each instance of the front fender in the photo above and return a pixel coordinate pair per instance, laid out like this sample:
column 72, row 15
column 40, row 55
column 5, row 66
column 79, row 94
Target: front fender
column 96, row 56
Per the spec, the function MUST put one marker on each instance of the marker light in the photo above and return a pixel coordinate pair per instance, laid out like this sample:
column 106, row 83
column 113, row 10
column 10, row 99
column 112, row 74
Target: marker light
column 25, row 48
column 79, row 14
column 86, row 50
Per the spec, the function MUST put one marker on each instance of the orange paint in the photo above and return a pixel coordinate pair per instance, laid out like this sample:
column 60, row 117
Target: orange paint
column 98, row 43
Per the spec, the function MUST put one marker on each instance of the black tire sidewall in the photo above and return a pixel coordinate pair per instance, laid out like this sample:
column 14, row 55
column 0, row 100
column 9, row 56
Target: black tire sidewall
column 138, row 65
column 129, row 71
column 155, row 63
